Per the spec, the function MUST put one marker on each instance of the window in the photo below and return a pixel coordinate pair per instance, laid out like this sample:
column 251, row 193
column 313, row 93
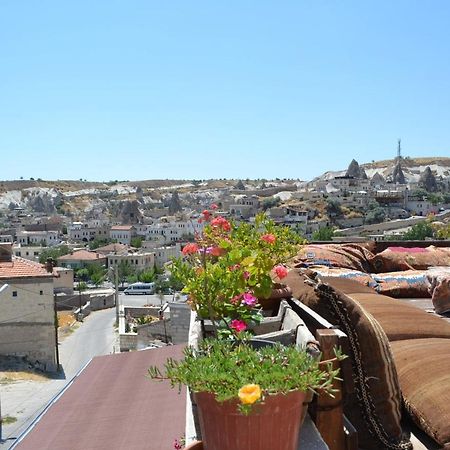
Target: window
column 41, row 292
column 14, row 293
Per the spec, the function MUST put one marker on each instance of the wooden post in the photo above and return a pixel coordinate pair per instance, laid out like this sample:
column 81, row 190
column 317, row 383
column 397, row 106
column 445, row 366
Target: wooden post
column 330, row 417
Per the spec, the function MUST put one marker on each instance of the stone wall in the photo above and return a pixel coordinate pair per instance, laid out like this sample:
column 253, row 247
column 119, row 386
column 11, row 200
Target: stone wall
column 27, row 326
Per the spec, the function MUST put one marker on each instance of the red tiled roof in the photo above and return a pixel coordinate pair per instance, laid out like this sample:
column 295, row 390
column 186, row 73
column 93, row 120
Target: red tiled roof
column 81, row 255
column 113, row 405
column 113, row 248
column 22, row 268
column 122, row 227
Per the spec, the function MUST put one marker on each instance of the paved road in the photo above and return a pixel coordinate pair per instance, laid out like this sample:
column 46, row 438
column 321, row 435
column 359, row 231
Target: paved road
column 25, row 400
column 141, row 300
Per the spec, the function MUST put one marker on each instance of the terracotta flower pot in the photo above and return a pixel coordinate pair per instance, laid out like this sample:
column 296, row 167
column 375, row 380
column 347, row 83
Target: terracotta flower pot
column 274, row 424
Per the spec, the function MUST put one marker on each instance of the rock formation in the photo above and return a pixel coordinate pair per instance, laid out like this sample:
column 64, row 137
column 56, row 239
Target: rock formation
column 354, row 170
column 427, row 180
column 175, row 204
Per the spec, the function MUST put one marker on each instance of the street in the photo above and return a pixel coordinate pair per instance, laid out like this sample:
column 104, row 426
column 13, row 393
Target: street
column 141, row 300
column 25, row 400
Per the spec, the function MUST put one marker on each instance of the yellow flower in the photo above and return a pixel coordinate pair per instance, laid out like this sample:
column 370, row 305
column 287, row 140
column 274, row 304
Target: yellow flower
column 249, row 393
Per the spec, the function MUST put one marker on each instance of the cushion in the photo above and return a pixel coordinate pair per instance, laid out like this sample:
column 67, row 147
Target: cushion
column 350, row 274
column 400, row 320
column 440, row 289
column 374, row 407
column 423, row 367
column 402, row 258
column 405, row 284
column 350, row 256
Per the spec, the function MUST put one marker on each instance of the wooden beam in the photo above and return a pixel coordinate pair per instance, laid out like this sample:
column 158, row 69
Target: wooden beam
column 329, row 415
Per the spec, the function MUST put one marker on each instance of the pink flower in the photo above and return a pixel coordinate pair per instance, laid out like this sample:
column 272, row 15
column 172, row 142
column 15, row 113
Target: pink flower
column 236, row 299
column 213, row 206
column 238, row 325
column 206, row 214
column 177, row 445
column 281, row 272
column 189, row 249
column 246, row 275
column 249, row 299
column 269, row 238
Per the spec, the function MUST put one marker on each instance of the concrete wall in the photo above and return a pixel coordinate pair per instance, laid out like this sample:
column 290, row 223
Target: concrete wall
column 64, row 281
column 149, row 332
column 27, row 325
column 180, row 316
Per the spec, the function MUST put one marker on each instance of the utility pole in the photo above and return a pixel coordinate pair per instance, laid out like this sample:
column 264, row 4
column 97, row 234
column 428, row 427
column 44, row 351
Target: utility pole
column 116, row 283
column 80, row 314
column 56, row 332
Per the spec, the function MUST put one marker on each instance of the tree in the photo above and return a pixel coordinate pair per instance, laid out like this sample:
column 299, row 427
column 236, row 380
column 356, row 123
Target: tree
column 136, row 242
column 82, row 274
column 323, row 234
column 98, row 242
column 270, row 202
column 147, row 276
column 376, row 215
column 124, row 270
column 54, row 253
column 419, row 232
column 333, row 209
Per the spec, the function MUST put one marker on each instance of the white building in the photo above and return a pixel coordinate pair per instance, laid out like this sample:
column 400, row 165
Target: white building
column 166, row 254
column 47, row 238
column 85, row 232
column 138, row 261
column 122, row 233
column 31, row 253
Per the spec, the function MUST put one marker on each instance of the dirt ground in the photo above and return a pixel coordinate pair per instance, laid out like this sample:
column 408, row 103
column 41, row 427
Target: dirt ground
column 14, row 369
column 65, row 318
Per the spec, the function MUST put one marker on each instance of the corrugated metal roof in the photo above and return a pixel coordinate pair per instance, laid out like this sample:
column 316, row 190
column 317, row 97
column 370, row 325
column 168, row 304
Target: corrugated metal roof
column 113, row 405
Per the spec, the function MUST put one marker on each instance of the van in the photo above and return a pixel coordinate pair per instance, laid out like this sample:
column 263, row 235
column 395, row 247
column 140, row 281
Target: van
column 140, row 288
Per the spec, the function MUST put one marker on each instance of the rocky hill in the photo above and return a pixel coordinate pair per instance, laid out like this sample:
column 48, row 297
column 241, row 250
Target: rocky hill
column 412, row 168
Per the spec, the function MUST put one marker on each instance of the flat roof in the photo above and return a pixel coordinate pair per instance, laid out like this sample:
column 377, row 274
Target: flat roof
column 113, row 405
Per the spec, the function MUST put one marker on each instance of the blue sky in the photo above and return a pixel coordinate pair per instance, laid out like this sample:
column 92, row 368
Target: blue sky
column 131, row 89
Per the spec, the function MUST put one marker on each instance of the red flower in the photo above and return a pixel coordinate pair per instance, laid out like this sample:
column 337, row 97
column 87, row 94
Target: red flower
column 281, row 272
column 213, row 206
column 217, row 251
column 220, row 222
column 189, row 249
column 206, row 214
column 238, row 325
column 269, row 238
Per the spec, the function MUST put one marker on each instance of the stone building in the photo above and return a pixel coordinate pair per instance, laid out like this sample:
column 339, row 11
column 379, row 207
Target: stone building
column 27, row 326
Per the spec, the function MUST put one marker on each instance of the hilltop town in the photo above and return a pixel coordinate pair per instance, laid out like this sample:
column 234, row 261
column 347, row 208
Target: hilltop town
column 72, row 248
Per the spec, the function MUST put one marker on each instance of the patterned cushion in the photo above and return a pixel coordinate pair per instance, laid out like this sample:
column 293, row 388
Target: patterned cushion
column 400, row 320
column 405, row 284
column 350, row 256
column 349, row 274
column 403, row 258
column 375, row 405
column 423, row 367
column 439, row 279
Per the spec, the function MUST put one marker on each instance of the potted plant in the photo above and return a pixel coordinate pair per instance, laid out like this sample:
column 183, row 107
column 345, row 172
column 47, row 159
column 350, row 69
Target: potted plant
column 231, row 268
column 248, row 398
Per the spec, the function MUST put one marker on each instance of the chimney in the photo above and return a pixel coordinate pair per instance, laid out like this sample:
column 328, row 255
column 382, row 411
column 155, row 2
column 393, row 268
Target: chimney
column 6, row 251
column 49, row 264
